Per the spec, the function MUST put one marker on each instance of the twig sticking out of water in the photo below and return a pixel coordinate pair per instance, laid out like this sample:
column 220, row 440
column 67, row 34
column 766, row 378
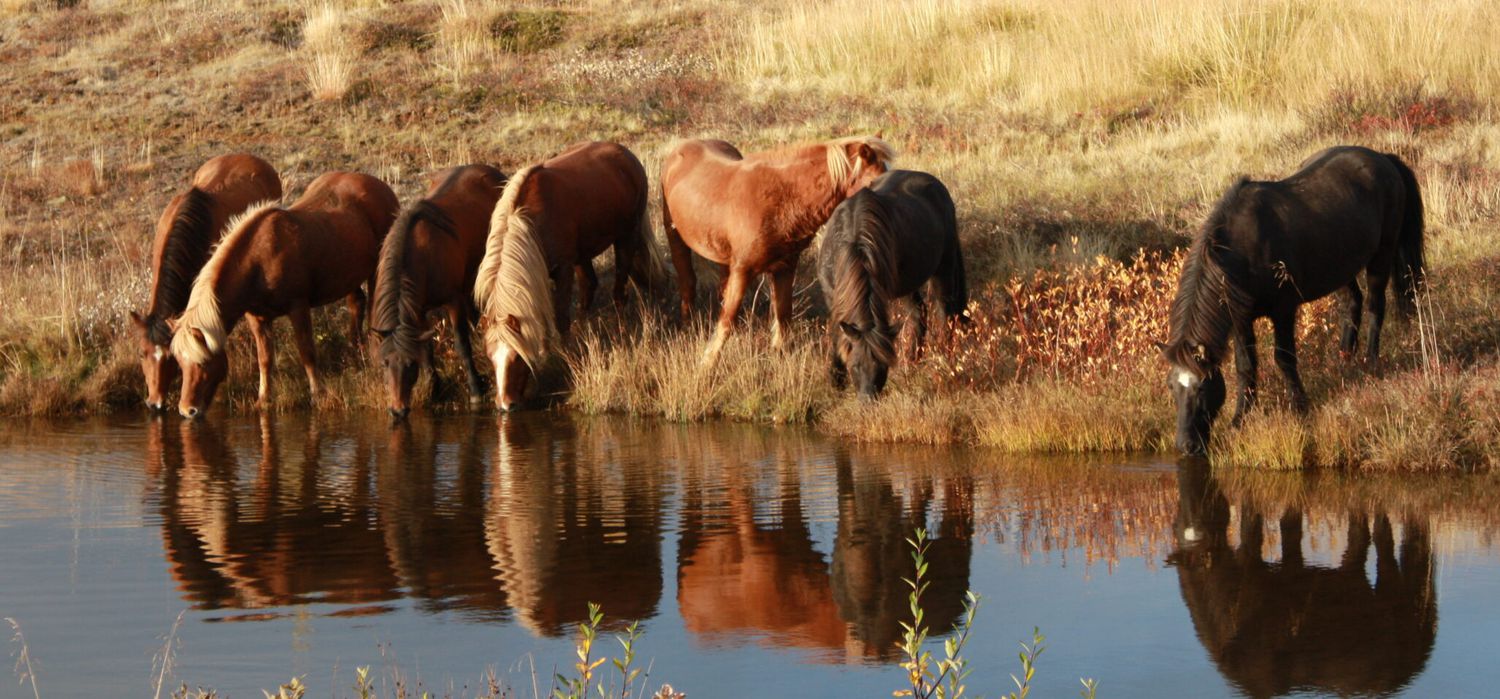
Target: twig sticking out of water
column 24, row 671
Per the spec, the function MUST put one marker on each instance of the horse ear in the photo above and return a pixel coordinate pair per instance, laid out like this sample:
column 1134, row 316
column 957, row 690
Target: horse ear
column 431, row 332
column 513, row 323
column 1161, row 346
column 850, row 329
column 198, row 335
column 172, row 324
column 138, row 320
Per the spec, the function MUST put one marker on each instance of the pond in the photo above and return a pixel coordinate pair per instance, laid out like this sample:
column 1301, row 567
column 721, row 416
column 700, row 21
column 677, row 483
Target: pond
column 761, row 562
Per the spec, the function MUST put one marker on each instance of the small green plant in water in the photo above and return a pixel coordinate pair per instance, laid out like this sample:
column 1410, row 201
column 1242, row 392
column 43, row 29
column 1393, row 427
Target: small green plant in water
column 585, row 682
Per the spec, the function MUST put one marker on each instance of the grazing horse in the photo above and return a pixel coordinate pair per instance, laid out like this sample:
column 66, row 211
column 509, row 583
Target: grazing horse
column 282, row 262
column 1269, row 247
column 222, row 188
column 552, row 220
column 756, row 214
column 428, row 263
column 882, row 244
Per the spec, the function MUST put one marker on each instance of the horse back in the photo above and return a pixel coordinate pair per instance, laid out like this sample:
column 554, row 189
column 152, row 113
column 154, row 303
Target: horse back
column 585, row 198
column 236, row 181
column 923, row 223
column 466, row 195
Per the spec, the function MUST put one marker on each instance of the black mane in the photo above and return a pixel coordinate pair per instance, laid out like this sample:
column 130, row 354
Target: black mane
column 1210, row 295
column 397, row 310
column 189, row 240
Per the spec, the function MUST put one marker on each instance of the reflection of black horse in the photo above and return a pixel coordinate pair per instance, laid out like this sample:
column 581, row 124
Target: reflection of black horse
column 1272, row 628
column 871, row 555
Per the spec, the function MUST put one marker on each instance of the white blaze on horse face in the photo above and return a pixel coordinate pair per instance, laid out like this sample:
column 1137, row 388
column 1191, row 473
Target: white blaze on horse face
column 1186, row 378
column 157, row 353
column 501, row 359
column 1190, row 534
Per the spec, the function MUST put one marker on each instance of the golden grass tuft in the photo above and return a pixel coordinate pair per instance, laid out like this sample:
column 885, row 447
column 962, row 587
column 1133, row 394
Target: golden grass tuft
column 329, row 51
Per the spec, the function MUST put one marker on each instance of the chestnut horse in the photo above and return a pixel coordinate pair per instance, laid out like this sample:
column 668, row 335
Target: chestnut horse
column 282, row 262
column 428, row 264
column 222, row 188
column 551, row 222
column 882, row 244
column 756, row 214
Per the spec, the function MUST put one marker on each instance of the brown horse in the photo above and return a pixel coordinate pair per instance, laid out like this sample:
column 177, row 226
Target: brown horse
column 282, row 262
column 428, row 264
column 551, row 222
column 756, row 214
column 222, row 188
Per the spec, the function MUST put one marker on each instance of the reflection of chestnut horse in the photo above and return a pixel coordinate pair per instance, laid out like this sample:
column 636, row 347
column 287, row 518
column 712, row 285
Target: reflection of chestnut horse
column 756, row 214
column 282, row 261
column 552, row 220
column 427, row 264
column 1274, row 628
column 222, row 188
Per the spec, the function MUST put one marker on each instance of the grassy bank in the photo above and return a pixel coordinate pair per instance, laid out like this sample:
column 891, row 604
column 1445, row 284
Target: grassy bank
column 1073, row 135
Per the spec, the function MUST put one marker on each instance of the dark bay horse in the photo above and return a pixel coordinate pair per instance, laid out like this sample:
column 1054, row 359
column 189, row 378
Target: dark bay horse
column 882, row 244
column 1269, row 247
column 222, row 188
column 427, row 264
column 756, row 214
column 282, row 262
column 552, row 220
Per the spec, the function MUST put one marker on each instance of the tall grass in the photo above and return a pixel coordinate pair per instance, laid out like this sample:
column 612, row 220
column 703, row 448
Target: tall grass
column 327, row 42
column 1071, row 55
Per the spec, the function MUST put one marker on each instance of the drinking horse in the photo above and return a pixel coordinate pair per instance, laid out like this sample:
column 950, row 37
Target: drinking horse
column 756, row 214
column 552, row 220
column 1268, row 248
column 282, row 262
column 883, row 244
column 428, row 264
column 222, row 188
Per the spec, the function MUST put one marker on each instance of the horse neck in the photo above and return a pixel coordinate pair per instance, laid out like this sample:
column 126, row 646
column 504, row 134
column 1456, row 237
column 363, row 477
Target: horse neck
column 1203, row 312
column 814, row 194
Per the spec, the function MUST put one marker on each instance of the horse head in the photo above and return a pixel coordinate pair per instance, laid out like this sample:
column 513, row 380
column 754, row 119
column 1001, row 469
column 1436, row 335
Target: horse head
column 864, row 354
column 204, row 367
column 1198, row 389
column 158, row 363
column 859, row 160
column 401, row 360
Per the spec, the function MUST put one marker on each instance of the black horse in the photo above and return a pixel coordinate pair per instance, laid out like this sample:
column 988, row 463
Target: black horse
column 883, row 244
column 1269, row 247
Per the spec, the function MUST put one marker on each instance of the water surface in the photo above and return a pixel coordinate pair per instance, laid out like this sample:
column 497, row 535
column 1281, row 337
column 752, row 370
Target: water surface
column 761, row 562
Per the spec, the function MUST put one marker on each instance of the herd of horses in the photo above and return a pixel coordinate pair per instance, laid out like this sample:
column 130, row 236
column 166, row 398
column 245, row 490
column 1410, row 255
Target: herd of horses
column 509, row 254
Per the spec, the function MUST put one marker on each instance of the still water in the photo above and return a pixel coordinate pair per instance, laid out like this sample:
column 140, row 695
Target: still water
column 761, row 562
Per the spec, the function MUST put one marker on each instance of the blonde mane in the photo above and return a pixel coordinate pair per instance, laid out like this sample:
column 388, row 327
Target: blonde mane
column 841, row 168
column 513, row 283
column 202, row 310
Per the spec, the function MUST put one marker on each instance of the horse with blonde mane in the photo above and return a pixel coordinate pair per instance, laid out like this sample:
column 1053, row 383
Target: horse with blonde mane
column 756, row 214
column 222, row 188
column 427, row 265
column 282, row 262
column 551, row 221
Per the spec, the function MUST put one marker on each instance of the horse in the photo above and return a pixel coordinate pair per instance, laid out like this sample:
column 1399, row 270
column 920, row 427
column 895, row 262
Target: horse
column 282, row 262
column 222, row 188
column 552, row 219
column 882, row 244
column 756, row 214
column 428, row 263
column 1269, row 247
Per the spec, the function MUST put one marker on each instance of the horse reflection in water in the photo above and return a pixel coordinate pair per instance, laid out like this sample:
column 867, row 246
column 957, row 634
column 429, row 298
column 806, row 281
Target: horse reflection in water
column 563, row 531
column 279, row 532
column 1273, row 628
column 744, row 573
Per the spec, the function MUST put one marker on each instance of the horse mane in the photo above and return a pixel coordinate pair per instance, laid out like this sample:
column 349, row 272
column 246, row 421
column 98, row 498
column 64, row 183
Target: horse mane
column 841, row 167
column 1210, row 295
column 202, row 310
column 189, row 239
column 866, row 269
column 397, row 312
column 513, row 280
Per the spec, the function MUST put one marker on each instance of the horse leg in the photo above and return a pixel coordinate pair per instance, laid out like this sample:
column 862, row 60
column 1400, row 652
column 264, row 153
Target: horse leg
column 1377, row 282
column 562, row 301
column 1285, row 325
column 687, row 280
column 357, row 303
column 917, row 319
column 588, row 282
column 1247, row 369
column 781, row 297
column 265, row 356
column 462, row 330
column 734, row 293
column 1351, row 329
column 301, row 318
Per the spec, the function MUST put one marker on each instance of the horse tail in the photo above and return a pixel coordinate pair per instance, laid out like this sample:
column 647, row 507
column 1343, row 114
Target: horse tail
column 1411, row 267
column 955, row 281
column 505, row 216
column 648, row 260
